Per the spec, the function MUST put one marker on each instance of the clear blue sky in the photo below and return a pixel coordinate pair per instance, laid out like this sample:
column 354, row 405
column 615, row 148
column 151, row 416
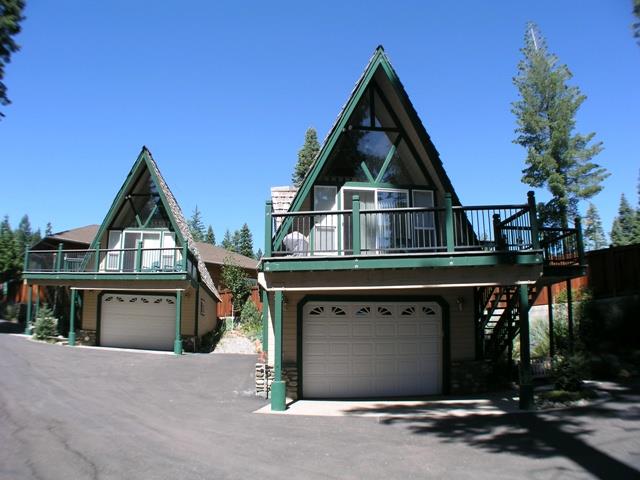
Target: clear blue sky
column 222, row 95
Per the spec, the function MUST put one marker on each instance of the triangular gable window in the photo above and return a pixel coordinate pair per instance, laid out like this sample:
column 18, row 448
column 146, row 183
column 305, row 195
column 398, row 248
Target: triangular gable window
column 142, row 207
column 372, row 148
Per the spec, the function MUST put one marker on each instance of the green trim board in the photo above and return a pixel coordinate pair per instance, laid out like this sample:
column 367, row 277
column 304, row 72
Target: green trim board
column 156, row 276
column 291, row 264
column 446, row 327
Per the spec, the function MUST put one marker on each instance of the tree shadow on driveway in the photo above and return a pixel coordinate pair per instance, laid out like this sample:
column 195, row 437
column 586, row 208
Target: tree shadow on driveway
column 532, row 434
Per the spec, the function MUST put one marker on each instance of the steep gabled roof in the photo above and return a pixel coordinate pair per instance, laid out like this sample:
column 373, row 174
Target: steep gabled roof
column 84, row 234
column 212, row 254
column 180, row 226
column 378, row 60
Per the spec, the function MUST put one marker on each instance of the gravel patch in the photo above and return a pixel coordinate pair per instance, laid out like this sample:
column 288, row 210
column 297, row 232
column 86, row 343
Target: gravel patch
column 234, row 342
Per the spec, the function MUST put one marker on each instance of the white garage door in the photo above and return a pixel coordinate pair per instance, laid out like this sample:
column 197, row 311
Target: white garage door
column 371, row 349
column 138, row 321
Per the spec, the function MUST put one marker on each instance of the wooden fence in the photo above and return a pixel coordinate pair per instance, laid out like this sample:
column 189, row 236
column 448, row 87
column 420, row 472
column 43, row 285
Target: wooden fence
column 225, row 307
column 611, row 272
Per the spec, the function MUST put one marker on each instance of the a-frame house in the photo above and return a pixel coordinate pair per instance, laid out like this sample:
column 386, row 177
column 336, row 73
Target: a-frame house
column 142, row 282
column 378, row 282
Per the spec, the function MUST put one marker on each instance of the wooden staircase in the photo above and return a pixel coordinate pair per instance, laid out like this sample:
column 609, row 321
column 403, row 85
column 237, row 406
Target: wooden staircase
column 498, row 317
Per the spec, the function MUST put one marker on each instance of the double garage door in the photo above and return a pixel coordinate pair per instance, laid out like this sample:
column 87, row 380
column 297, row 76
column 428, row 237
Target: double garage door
column 371, row 349
column 137, row 321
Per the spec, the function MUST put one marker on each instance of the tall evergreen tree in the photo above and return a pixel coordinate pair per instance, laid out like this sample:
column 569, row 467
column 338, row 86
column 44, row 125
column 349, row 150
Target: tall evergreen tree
column 36, row 237
column 211, row 237
column 49, row 230
column 593, row 232
column 196, row 226
column 636, row 227
column 259, row 254
column 557, row 157
column 227, row 241
column 10, row 17
column 23, row 234
column 306, row 156
column 245, row 242
column 622, row 230
column 8, row 251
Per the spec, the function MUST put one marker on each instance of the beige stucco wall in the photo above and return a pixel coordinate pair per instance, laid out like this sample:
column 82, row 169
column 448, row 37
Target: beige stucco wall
column 89, row 309
column 207, row 320
column 461, row 322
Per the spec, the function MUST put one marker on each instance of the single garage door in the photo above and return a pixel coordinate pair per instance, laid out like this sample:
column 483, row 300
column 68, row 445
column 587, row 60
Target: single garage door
column 138, row 321
column 371, row 349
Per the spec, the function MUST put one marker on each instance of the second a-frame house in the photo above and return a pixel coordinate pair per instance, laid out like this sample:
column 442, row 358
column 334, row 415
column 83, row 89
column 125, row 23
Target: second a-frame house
column 378, row 282
column 142, row 283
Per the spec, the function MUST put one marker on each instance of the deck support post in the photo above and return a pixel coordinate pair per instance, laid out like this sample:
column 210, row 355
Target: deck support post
column 268, row 228
column 355, row 224
column 177, row 343
column 139, row 256
column 265, row 321
column 570, row 316
column 510, row 338
column 552, row 340
column 72, row 318
column 27, row 319
column 36, row 290
column 526, row 381
column 278, row 386
column 58, row 266
column 448, row 222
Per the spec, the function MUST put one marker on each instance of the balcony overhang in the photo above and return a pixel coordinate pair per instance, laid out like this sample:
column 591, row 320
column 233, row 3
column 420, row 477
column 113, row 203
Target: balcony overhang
column 411, row 273
column 106, row 280
column 402, row 261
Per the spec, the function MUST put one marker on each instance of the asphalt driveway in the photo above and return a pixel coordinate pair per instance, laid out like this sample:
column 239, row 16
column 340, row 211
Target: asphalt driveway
column 85, row 413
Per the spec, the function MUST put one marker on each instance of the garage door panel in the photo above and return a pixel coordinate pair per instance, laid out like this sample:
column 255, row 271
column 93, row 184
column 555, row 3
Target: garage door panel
column 137, row 321
column 362, row 328
column 362, row 349
column 372, row 349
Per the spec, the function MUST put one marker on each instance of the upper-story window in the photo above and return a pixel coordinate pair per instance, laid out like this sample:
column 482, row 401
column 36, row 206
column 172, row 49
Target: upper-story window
column 373, row 148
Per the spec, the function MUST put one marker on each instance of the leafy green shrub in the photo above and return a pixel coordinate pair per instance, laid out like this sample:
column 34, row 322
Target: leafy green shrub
column 569, row 372
column 235, row 278
column 251, row 320
column 11, row 312
column 46, row 324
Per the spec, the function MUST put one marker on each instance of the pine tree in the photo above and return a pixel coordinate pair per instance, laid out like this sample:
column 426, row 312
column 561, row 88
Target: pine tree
column 306, row 156
column 636, row 226
column 557, row 158
column 49, row 230
column 245, row 241
column 593, row 232
column 622, row 230
column 10, row 18
column 211, row 237
column 36, row 237
column 259, row 254
column 235, row 278
column 8, row 251
column 23, row 234
column 227, row 241
column 196, row 226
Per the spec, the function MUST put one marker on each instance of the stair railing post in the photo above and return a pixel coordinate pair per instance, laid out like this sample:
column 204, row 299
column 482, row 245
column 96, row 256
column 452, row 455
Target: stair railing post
column 580, row 241
column 533, row 220
column 497, row 232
